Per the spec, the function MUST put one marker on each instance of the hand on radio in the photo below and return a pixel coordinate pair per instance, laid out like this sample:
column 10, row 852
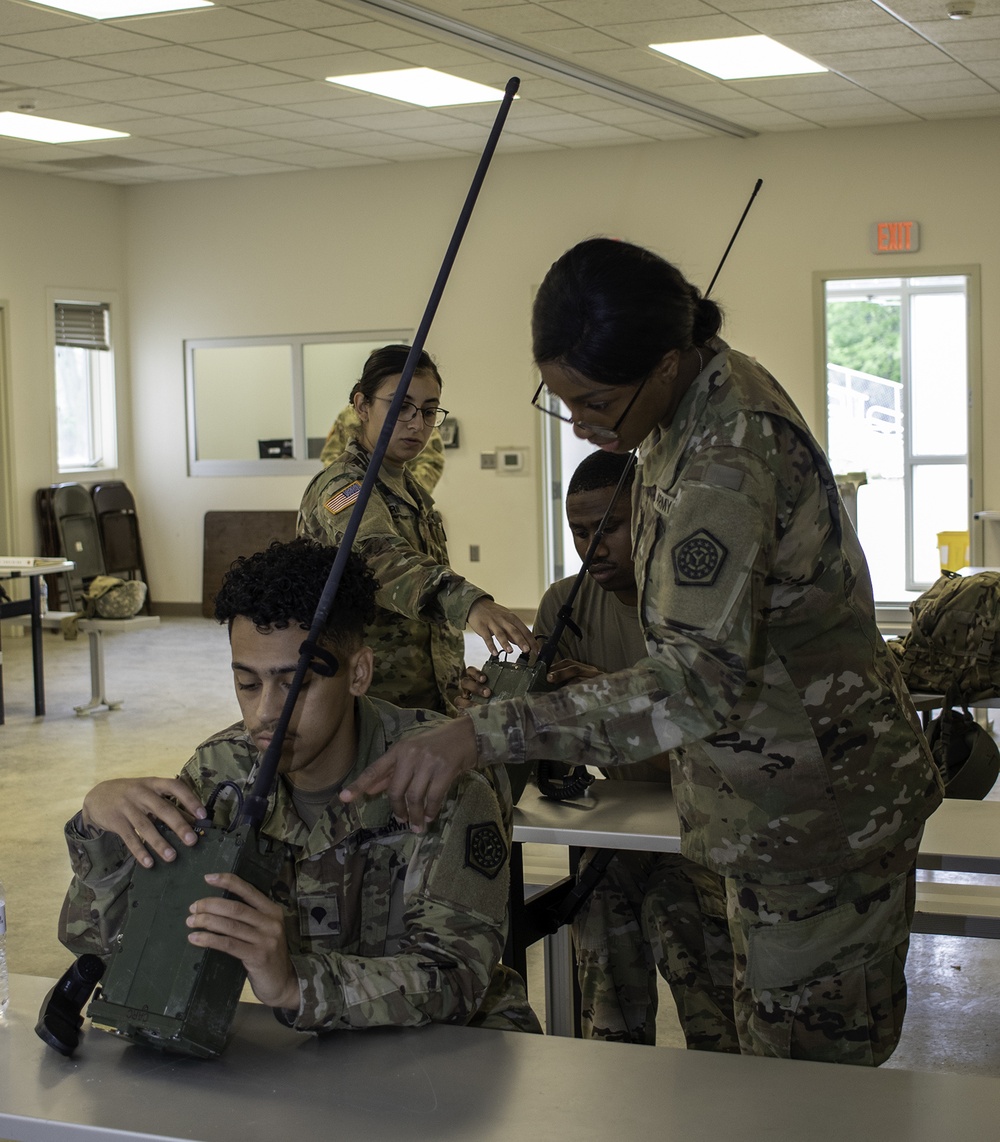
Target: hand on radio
column 568, row 670
column 250, row 927
column 471, row 685
column 130, row 806
column 491, row 621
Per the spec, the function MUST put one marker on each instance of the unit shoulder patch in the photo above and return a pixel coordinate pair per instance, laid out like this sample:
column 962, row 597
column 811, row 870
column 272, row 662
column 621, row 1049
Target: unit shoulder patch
column 344, row 498
column 485, row 849
column 698, row 559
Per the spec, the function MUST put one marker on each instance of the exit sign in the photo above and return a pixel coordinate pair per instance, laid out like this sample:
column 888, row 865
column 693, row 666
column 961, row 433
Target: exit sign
column 894, row 237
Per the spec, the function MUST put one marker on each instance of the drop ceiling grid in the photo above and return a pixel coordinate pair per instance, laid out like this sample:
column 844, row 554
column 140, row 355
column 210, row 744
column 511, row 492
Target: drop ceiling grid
column 240, row 88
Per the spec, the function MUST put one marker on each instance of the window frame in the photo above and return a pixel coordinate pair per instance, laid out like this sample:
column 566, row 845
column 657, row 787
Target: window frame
column 109, row 398
column 896, row 611
column 298, row 464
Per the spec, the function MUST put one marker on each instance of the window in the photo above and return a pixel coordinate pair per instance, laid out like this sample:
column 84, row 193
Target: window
column 898, row 401
column 262, row 406
column 85, row 386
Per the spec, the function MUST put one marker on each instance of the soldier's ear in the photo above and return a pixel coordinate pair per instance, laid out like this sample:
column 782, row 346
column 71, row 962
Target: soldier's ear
column 359, row 667
column 360, row 405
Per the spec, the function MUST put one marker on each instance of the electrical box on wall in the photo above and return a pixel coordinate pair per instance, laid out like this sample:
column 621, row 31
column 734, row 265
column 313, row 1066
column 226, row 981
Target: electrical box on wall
column 511, row 460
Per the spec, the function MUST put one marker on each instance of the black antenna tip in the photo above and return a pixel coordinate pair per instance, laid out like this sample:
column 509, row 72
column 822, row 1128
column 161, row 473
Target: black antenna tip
column 512, row 85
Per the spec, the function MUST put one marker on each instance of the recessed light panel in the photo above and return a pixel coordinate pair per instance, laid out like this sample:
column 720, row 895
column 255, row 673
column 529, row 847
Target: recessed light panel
column 740, row 57
column 119, row 9
column 40, row 130
column 420, row 85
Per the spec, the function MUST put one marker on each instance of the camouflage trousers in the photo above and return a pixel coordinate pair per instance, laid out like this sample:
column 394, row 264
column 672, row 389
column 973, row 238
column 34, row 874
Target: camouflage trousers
column 802, row 971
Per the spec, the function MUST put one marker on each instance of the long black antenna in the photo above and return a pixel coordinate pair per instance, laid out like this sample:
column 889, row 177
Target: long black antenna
column 255, row 802
column 746, row 211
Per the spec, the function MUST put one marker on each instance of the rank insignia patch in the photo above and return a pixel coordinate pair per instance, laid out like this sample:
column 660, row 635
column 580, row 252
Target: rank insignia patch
column 698, row 560
column 343, row 499
column 485, row 849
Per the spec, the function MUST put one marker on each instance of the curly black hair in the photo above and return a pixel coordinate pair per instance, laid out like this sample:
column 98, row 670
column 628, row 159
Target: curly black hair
column 599, row 470
column 281, row 586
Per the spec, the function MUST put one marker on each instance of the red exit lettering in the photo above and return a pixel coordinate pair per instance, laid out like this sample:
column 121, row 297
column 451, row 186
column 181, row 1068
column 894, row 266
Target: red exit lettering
column 895, row 237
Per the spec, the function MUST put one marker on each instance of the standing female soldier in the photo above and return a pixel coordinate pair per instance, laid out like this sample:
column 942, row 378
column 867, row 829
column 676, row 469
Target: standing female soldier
column 423, row 606
column 801, row 779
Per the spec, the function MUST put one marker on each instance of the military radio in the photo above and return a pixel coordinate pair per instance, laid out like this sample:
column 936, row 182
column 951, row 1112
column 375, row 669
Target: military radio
column 515, row 678
column 159, row 989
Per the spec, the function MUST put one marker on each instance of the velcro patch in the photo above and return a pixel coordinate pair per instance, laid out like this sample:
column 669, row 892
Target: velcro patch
column 344, row 498
column 485, row 849
column 698, row 559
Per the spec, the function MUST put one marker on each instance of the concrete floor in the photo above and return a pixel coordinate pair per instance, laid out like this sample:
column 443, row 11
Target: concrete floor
column 176, row 684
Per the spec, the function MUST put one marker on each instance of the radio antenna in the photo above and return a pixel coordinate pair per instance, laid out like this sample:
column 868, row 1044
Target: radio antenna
column 311, row 655
column 746, row 210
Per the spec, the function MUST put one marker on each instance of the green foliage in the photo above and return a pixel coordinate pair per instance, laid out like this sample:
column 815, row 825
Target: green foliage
column 864, row 335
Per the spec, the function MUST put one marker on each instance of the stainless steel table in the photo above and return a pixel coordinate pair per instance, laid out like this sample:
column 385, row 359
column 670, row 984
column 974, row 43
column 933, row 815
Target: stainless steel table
column 454, row 1084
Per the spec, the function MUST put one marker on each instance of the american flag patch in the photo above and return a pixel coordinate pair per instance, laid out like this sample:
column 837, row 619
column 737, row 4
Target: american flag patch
column 343, row 499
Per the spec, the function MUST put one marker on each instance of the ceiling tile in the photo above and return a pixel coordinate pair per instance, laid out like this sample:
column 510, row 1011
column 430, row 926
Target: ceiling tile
column 15, row 18
column 158, row 60
column 598, row 13
column 376, row 36
column 227, row 78
column 87, row 39
column 55, row 73
column 305, row 13
column 198, row 25
column 713, row 25
column 816, row 17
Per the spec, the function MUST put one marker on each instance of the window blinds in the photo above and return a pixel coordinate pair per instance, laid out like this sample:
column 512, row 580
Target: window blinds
column 82, row 325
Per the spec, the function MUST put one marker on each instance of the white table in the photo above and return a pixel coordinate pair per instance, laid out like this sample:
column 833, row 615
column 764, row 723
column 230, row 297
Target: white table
column 32, row 606
column 455, row 1084
column 961, row 836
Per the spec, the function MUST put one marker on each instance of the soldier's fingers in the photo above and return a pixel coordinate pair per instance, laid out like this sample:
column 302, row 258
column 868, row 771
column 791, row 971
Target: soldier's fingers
column 372, row 781
column 237, row 886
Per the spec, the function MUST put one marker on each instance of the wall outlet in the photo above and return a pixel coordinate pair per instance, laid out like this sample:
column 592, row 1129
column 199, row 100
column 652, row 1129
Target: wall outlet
column 487, row 460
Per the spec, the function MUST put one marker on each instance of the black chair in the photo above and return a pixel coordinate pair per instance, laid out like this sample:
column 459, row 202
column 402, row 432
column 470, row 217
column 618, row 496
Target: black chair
column 76, row 525
column 118, row 525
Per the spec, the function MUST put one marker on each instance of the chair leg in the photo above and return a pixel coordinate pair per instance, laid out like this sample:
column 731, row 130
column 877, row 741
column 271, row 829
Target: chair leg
column 97, row 686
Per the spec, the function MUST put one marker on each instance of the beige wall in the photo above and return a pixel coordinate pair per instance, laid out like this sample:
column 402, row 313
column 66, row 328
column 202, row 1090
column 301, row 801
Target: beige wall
column 56, row 237
column 359, row 249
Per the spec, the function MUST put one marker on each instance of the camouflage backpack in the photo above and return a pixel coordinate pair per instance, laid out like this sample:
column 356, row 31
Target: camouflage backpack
column 953, row 646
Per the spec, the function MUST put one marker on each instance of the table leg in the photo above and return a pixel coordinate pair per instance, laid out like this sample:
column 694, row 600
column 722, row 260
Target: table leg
column 36, row 643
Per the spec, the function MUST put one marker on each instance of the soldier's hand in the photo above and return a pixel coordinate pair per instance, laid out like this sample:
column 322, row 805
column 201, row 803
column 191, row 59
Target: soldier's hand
column 129, row 806
column 568, row 670
column 491, row 621
column 250, row 927
column 418, row 772
column 471, row 685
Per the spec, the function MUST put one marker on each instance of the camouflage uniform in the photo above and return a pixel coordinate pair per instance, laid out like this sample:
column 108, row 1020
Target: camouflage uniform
column 426, row 468
column 615, row 961
column 799, row 771
column 422, row 604
column 384, row 926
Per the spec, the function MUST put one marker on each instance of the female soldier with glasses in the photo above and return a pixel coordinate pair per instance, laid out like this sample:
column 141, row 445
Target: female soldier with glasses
column 800, row 776
column 423, row 605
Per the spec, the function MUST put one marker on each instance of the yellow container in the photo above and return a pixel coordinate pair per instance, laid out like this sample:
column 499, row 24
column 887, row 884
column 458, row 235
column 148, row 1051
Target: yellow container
column 953, row 547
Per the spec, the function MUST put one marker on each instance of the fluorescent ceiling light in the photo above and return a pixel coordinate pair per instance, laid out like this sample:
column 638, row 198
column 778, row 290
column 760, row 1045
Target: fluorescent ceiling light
column 740, row 57
column 119, row 9
column 40, row 130
column 420, row 85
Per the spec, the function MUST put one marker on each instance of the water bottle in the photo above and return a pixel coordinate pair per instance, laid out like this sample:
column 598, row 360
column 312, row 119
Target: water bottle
column 43, row 595
column 4, row 983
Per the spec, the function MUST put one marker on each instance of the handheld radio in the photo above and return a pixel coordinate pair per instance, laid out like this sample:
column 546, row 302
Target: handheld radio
column 159, row 989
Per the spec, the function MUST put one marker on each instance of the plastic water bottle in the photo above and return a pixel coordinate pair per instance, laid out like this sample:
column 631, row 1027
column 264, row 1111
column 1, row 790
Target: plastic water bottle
column 43, row 595
column 4, row 983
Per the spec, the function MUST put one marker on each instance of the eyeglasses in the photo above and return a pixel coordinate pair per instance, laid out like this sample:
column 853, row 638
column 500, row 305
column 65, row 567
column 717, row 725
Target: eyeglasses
column 599, row 432
column 433, row 417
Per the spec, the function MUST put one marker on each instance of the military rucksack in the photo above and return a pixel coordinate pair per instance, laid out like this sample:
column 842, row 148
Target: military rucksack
column 953, row 645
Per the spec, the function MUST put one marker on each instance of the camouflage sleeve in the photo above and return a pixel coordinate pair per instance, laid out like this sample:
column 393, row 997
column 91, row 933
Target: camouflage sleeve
column 427, row 467
column 704, row 564
column 411, row 583
column 341, row 431
column 94, row 908
column 453, row 928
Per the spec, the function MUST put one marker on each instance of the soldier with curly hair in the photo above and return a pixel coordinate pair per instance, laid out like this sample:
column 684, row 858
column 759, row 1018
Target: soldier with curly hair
column 368, row 923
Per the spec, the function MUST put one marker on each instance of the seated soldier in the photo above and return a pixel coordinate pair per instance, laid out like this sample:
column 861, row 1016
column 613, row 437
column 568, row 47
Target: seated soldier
column 615, row 933
column 370, row 923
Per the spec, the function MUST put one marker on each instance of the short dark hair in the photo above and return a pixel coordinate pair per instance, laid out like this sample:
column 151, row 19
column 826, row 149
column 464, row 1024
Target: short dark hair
column 600, row 470
column 612, row 311
column 281, row 587
column 388, row 362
